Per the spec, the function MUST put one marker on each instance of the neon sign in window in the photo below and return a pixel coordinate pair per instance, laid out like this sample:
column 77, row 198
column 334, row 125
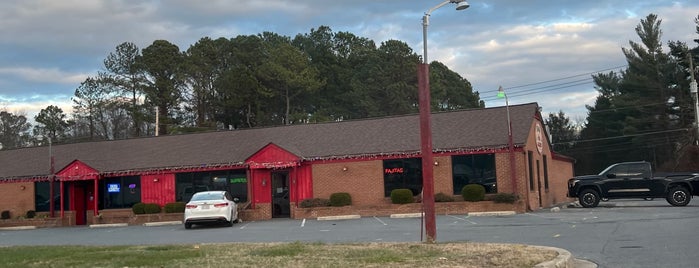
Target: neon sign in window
column 113, row 188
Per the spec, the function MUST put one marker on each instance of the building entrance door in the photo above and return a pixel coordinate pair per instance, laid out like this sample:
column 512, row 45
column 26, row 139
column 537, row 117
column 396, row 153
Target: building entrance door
column 281, row 207
column 81, row 200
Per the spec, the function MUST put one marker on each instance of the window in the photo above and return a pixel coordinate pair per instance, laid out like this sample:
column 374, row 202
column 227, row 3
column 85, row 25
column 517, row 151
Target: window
column 234, row 182
column 402, row 174
column 530, row 158
column 477, row 168
column 546, row 173
column 41, row 196
column 119, row 192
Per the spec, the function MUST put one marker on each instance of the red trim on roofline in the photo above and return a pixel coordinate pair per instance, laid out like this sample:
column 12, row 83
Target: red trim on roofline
column 312, row 160
column 413, row 154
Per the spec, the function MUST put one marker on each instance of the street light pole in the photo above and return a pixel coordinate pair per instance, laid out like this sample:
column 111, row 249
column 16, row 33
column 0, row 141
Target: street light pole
column 426, row 127
column 51, row 179
column 510, row 142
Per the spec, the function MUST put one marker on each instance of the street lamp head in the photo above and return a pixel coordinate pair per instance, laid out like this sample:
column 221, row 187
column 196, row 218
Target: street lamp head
column 693, row 87
column 501, row 92
column 461, row 5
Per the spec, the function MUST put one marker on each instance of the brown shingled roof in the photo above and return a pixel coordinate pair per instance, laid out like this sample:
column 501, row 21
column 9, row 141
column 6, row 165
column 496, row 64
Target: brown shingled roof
column 465, row 130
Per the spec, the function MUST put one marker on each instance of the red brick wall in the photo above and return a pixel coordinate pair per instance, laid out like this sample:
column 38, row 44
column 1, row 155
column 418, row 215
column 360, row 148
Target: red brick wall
column 502, row 171
column 18, row 198
column 443, row 176
column 558, row 172
column 363, row 180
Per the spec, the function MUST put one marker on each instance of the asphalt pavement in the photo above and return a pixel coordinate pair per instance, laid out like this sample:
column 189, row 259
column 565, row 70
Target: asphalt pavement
column 631, row 233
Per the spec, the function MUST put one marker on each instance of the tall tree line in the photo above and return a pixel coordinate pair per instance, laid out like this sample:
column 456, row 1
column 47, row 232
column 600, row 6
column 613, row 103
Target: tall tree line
column 256, row 80
column 644, row 112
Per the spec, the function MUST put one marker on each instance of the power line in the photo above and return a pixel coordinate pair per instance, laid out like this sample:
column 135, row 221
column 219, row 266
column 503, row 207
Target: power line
column 558, row 79
column 625, row 136
column 537, row 90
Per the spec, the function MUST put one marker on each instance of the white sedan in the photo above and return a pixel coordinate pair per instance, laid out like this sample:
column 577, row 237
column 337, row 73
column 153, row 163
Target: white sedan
column 210, row 206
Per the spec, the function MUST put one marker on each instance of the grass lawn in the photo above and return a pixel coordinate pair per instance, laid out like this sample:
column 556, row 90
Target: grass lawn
column 278, row 255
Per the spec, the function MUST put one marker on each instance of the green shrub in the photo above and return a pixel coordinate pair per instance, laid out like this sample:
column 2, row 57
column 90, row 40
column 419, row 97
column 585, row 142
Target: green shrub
column 314, row 202
column 175, row 207
column 340, row 199
column 31, row 214
column 139, row 208
column 442, row 197
column 151, row 208
column 402, row 196
column 5, row 214
column 509, row 198
column 473, row 192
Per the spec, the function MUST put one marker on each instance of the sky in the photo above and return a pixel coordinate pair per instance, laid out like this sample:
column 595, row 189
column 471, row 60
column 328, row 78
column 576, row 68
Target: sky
column 538, row 51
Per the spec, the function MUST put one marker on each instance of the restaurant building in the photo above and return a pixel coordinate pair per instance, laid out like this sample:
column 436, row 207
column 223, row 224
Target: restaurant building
column 271, row 170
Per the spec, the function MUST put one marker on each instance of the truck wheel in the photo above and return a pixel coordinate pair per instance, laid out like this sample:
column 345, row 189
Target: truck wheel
column 589, row 198
column 678, row 196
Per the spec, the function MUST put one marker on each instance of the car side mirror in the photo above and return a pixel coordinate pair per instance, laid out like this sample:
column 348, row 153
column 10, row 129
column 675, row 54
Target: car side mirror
column 611, row 175
column 235, row 199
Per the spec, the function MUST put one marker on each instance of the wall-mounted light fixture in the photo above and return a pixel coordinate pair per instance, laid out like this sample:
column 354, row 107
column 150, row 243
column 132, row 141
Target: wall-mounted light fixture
column 155, row 180
column 22, row 187
column 264, row 182
column 436, row 163
column 344, row 168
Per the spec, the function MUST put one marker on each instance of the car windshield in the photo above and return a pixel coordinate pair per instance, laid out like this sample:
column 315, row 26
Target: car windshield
column 207, row 196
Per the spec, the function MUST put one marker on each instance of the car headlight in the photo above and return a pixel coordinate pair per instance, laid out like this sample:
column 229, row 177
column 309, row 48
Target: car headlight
column 572, row 183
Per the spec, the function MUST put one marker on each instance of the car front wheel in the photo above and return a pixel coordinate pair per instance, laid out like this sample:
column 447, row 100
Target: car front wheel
column 678, row 196
column 589, row 198
column 187, row 225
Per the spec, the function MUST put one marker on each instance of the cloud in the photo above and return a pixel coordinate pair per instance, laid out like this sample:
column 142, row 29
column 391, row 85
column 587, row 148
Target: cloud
column 52, row 75
column 55, row 45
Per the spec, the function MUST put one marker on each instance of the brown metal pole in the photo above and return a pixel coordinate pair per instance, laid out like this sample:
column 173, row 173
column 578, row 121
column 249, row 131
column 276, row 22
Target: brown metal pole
column 513, row 168
column 51, row 180
column 95, row 196
column 426, row 151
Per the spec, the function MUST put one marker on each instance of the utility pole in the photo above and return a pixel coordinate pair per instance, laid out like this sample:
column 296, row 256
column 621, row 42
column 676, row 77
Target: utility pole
column 693, row 91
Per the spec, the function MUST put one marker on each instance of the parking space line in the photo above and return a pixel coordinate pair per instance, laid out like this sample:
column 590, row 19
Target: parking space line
column 380, row 220
column 303, row 223
column 243, row 227
column 463, row 219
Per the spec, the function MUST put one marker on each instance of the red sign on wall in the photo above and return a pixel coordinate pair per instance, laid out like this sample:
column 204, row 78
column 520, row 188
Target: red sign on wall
column 393, row 171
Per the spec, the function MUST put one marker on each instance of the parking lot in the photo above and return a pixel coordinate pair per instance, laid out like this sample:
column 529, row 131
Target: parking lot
column 633, row 233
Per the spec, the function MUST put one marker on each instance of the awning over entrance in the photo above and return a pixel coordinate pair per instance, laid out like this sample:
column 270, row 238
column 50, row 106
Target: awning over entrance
column 272, row 157
column 77, row 171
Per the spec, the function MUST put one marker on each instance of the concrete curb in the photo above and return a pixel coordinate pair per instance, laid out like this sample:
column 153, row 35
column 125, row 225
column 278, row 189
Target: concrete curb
column 17, row 228
column 492, row 213
column 162, row 223
column 406, row 215
column 563, row 260
column 109, row 225
column 341, row 217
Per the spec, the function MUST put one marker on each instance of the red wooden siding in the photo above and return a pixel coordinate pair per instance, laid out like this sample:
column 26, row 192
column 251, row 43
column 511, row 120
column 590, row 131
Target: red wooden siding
column 158, row 189
column 302, row 183
column 76, row 171
column 261, row 186
column 272, row 156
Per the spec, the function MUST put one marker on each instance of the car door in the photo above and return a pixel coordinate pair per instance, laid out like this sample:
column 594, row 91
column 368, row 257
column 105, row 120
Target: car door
column 629, row 180
column 644, row 184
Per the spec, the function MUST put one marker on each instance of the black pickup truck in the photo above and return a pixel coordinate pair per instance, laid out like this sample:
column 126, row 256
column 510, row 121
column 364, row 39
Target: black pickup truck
column 634, row 180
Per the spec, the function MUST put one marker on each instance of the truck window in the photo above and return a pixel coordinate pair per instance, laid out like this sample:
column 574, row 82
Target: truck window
column 640, row 169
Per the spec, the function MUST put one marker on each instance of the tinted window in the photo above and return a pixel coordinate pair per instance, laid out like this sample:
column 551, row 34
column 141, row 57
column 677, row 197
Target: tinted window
column 207, row 196
column 474, row 169
column 233, row 181
column 402, row 174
